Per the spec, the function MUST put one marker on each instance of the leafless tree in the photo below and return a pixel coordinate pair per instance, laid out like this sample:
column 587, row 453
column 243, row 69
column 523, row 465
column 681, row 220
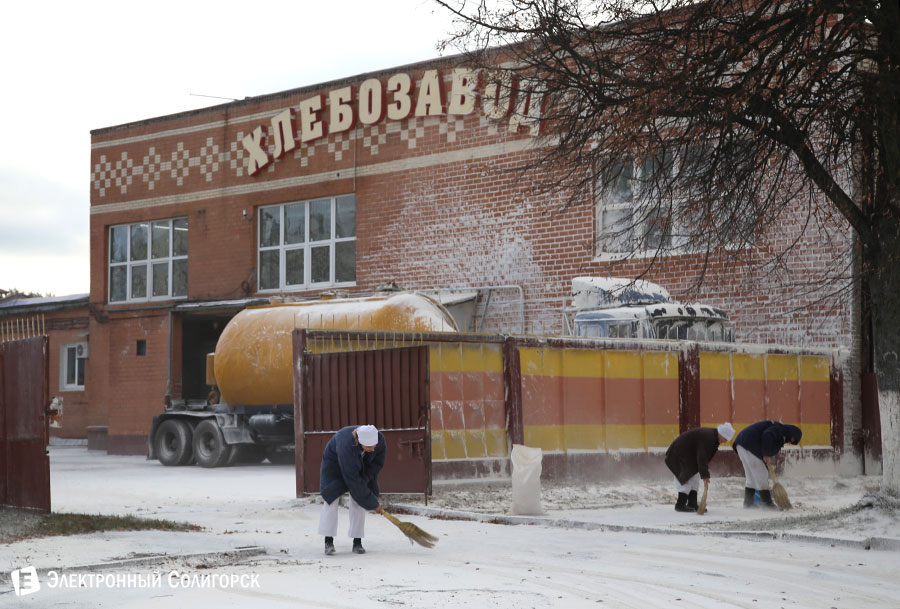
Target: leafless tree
column 719, row 119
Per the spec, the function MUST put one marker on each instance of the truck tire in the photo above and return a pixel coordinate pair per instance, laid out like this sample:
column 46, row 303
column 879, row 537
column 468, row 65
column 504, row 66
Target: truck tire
column 174, row 442
column 210, row 449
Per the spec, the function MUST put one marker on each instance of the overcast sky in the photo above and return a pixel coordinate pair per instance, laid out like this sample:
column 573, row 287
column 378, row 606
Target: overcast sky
column 69, row 67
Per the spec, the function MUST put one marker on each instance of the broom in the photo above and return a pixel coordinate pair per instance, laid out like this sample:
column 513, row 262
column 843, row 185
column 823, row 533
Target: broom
column 701, row 508
column 778, row 493
column 414, row 533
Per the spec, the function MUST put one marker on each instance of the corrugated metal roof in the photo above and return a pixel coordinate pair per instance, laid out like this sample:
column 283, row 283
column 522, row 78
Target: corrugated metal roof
column 44, row 303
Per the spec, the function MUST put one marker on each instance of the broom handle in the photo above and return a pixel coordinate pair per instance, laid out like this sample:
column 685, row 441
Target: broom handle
column 393, row 519
column 772, row 473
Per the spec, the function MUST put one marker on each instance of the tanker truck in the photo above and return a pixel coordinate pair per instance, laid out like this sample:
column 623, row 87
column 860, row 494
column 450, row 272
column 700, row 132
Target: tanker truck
column 250, row 416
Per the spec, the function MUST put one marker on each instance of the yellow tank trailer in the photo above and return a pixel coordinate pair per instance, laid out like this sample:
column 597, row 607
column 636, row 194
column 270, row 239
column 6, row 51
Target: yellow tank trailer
column 253, row 370
column 253, row 358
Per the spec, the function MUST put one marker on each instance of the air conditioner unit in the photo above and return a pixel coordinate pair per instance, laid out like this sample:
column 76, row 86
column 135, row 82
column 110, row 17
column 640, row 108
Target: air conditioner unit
column 82, row 350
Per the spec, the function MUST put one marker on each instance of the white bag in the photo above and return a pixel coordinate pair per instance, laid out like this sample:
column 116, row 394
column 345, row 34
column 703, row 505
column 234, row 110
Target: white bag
column 526, row 480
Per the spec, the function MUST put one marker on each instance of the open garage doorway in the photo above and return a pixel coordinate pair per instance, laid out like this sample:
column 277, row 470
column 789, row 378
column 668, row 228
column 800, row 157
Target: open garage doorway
column 199, row 334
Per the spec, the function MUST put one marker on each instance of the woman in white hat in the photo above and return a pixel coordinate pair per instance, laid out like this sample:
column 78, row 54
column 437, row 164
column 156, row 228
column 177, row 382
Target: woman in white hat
column 352, row 460
column 688, row 458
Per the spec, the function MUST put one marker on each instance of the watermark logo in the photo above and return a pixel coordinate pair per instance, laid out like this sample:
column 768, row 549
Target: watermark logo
column 25, row 581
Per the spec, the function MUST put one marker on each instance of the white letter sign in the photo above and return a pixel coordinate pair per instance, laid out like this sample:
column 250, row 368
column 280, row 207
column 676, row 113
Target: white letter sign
column 371, row 102
column 255, row 145
column 311, row 126
column 462, row 91
column 342, row 117
column 431, row 98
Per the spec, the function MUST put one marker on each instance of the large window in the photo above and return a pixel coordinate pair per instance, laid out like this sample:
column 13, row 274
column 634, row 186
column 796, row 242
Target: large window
column 632, row 216
column 72, row 358
column 148, row 260
column 655, row 204
column 308, row 244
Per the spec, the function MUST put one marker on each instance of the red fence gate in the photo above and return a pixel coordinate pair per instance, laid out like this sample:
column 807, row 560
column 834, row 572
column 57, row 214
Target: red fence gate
column 24, row 424
column 387, row 388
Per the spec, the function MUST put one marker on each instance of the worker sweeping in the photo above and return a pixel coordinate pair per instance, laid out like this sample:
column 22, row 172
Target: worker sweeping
column 351, row 463
column 688, row 458
column 755, row 446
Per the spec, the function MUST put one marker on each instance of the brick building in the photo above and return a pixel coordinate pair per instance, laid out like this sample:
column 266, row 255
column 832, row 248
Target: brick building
column 405, row 175
column 65, row 320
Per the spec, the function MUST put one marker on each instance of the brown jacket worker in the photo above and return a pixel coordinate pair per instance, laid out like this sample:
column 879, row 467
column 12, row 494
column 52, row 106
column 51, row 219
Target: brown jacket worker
column 688, row 458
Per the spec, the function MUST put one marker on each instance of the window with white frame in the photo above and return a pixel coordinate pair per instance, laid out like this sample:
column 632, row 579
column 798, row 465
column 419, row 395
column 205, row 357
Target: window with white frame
column 647, row 206
column 148, row 260
column 615, row 208
column 630, row 216
column 307, row 244
column 72, row 359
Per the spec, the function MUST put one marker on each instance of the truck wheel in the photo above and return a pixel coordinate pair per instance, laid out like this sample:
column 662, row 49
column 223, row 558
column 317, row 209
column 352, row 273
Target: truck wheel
column 174, row 442
column 210, row 449
column 281, row 457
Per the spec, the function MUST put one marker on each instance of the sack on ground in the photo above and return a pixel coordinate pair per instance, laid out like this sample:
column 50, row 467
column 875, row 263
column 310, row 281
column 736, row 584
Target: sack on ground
column 526, row 480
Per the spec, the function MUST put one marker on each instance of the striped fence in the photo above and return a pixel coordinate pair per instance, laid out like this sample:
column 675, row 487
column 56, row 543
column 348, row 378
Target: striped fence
column 611, row 407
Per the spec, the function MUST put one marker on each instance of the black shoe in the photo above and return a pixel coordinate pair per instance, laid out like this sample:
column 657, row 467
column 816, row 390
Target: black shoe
column 749, row 497
column 681, row 504
column 766, row 498
column 692, row 501
column 357, row 546
column 329, row 546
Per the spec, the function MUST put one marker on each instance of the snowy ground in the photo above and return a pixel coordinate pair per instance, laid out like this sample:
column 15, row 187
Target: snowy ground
column 619, row 546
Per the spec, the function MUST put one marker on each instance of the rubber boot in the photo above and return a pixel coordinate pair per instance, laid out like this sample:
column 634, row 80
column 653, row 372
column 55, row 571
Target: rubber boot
column 329, row 546
column 681, row 503
column 357, row 546
column 692, row 501
column 749, row 497
column 766, row 497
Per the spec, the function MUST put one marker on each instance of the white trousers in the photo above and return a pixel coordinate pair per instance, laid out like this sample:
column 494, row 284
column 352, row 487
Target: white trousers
column 755, row 470
column 328, row 519
column 693, row 484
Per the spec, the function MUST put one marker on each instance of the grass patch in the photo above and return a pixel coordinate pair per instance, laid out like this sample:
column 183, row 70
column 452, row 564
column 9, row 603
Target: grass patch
column 77, row 524
column 16, row 525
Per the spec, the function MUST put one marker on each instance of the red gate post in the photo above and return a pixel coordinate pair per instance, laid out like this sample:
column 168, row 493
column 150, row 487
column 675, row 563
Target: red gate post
column 689, row 388
column 24, row 424
column 299, row 348
column 512, row 379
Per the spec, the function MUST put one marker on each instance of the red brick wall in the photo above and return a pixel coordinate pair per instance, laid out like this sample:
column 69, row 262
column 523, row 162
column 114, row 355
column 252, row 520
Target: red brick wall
column 424, row 220
column 64, row 326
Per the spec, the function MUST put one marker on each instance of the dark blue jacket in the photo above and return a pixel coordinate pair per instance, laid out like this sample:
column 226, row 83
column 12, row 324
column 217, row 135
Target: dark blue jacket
column 346, row 467
column 765, row 438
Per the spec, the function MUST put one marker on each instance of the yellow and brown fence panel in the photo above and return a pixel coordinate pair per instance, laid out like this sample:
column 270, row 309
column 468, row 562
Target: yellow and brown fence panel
column 468, row 408
column 598, row 399
column 745, row 387
column 593, row 399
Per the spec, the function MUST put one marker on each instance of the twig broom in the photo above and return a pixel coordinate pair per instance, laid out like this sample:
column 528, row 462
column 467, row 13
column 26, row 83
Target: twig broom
column 414, row 533
column 701, row 508
column 778, row 493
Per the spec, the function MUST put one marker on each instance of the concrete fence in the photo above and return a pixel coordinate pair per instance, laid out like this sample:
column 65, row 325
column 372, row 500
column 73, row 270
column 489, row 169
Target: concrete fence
column 605, row 408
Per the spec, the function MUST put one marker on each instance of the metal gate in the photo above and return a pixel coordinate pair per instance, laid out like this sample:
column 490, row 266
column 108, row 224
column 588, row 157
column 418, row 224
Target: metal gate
column 24, row 424
column 385, row 387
